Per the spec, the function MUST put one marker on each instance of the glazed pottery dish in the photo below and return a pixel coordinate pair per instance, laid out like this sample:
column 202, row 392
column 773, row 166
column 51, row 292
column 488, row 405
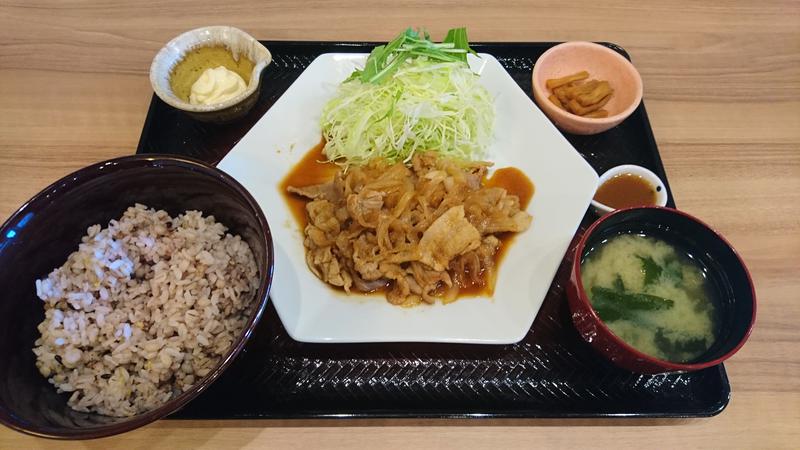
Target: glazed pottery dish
column 239, row 44
column 600, row 62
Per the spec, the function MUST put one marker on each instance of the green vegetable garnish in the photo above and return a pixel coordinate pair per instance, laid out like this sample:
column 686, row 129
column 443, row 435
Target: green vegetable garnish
column 610, row 313
column 619, row 286
column 651, row 270
column 676, row 349
column 412, row 95
column 385, row 60
column 614, row 304
column 603, row 296
column 673, row 271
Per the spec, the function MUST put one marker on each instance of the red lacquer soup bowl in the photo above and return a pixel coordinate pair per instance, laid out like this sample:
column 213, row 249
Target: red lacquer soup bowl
column 736, row 300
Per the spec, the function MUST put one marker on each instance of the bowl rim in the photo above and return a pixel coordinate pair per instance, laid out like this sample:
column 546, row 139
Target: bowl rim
column 564, row 115
column 175, row 102
column 91, row 172
column 668, row 366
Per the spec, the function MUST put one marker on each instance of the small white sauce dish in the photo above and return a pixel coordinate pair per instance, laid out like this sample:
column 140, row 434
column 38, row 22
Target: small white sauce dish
column 238, row 42
column 639, row 171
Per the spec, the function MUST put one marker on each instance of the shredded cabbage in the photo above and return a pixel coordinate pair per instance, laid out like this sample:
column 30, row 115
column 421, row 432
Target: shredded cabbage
column 425, row 106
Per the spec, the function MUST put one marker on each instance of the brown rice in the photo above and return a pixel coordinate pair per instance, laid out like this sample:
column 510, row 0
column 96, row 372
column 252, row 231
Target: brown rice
column 143, row 310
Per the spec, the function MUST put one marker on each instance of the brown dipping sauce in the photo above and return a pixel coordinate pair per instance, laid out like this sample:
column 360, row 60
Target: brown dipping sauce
column 626, row 190
column 313, row 169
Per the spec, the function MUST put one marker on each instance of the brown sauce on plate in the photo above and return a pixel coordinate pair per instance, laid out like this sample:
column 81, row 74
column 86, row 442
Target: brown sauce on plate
column 314, row 169
column 626, row 190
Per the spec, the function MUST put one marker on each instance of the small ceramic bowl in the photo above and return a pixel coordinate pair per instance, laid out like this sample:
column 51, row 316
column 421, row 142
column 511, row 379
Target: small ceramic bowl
column 45, row 230
column 646, row 174
column 724, row 269
column 239, row 43
column 602, row 63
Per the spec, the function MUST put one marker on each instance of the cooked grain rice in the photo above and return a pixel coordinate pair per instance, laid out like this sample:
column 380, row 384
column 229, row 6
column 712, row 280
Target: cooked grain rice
column 143, row 310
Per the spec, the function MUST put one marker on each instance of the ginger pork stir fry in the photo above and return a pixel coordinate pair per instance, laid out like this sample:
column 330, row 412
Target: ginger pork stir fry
column 420, row 232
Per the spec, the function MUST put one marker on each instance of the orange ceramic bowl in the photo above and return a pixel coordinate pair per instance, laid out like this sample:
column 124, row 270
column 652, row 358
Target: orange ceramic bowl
column 602, row 63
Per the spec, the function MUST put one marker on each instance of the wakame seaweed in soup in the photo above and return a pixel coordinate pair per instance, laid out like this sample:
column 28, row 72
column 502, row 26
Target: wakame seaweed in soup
column 652, row 295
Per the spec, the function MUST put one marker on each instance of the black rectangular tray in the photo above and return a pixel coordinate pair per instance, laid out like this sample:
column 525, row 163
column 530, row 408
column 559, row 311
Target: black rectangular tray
column 550, row 373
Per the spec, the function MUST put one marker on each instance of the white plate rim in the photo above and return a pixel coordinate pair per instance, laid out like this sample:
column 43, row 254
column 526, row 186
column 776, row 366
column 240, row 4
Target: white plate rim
column 301, row 327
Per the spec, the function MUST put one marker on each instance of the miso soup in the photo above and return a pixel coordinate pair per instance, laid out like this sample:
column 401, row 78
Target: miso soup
column 652, row 296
